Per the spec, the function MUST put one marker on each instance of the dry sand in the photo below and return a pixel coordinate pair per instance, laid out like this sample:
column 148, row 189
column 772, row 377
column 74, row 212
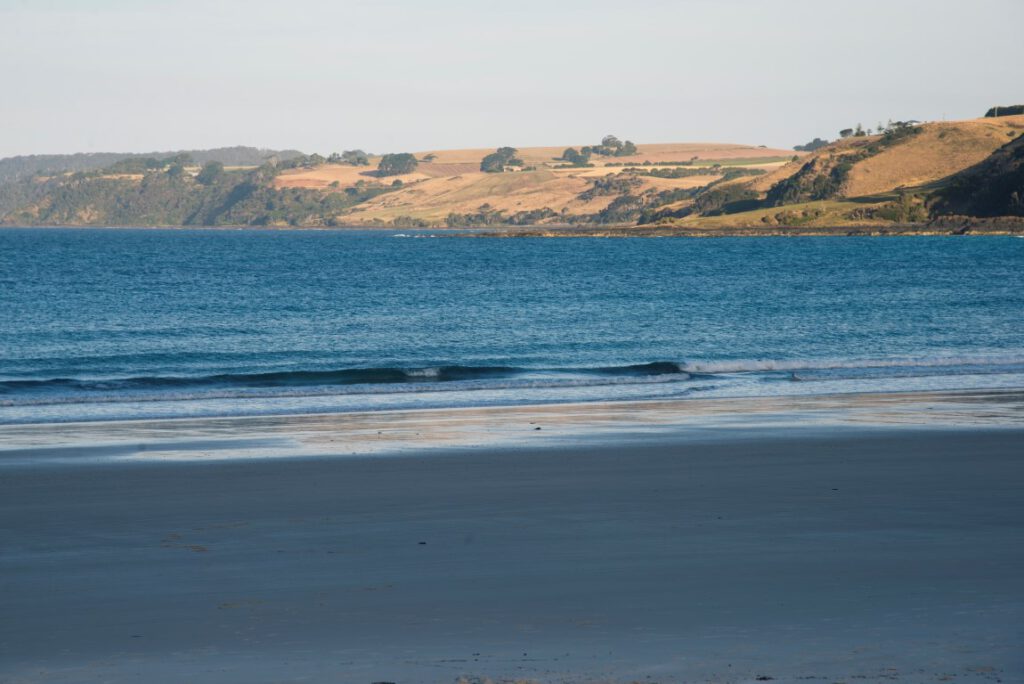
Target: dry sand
column 724, row 549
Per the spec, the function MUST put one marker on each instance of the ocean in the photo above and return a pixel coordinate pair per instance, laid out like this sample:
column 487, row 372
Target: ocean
column 104, row 324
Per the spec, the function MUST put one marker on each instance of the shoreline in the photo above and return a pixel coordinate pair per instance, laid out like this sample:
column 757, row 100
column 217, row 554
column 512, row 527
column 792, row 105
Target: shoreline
column 751, row 232
column 944, row 227
column 546, row 425
column 852, row 550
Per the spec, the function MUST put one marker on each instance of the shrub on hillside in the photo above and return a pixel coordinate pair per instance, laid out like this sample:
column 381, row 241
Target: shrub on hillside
column 575, row 157
column 613, row 147
column 210, row 173
column 497, row 161
column 815, row 144
column 611, row 185
column 396, row 164
column 353, row 157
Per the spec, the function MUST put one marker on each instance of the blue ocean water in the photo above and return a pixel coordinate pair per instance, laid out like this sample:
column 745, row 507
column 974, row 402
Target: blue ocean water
column 103, row 324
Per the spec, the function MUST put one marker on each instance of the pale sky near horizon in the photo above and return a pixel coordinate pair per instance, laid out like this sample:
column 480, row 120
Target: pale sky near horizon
column 397, row 75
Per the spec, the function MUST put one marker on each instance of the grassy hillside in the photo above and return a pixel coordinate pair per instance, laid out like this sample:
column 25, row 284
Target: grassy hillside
column 909, row 175
column 937, row 152
column 450, row 188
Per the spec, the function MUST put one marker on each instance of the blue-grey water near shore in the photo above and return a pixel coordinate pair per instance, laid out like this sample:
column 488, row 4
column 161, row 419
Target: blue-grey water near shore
column 103, row 324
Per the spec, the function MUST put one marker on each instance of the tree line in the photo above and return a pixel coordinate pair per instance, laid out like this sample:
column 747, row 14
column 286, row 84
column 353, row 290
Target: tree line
column 610, row 147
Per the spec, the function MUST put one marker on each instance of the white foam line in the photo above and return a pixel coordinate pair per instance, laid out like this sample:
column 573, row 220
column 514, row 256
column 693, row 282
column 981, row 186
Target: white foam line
column 753, row 365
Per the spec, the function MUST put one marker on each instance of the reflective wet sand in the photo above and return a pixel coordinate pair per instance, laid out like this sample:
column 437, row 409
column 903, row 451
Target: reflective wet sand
column 869, row 538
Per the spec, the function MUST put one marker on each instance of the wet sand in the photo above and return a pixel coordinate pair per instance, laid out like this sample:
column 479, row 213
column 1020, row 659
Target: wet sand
column 852, row 553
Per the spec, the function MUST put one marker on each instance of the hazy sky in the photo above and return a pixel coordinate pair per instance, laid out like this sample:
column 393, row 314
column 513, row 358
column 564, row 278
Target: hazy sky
column 395, row 75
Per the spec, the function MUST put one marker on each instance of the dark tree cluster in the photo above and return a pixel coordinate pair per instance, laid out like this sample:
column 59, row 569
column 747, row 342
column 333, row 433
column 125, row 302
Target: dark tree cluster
column 1011, row 110
column 896, row 130
column 821, row 178
column 210, row 173
column 860, row 132
column 353, row 157
column 496, row 162
column 610, row 185
column 144, row 164
column 613, row 147
column 610, row 147
column 306, row 161
column 486, row 215
column 575, row 157
column 815, row 144
column 688, row 172
column 397, row 164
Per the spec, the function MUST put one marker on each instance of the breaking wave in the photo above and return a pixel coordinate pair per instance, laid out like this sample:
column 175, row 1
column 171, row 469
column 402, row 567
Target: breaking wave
column 461, row 378
column 307, row 382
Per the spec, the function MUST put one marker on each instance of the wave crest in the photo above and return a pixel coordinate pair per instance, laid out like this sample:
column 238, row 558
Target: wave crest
column 317, row 378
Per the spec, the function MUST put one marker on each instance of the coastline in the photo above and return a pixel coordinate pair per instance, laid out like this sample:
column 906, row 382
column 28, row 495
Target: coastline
column 682, row 231
column 870, row 538
column 970, row 227
column 422, row 431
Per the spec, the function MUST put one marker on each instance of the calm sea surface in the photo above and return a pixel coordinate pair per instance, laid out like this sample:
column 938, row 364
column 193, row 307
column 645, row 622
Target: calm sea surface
column 101, row 324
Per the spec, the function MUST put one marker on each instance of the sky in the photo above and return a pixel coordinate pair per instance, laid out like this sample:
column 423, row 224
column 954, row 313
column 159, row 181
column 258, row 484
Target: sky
column 404, row 75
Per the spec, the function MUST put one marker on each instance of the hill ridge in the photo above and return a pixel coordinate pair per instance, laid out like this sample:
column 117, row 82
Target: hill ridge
column 902, row 177
column 22, row 166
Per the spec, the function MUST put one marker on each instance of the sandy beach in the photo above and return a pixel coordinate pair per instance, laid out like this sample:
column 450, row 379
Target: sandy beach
column 699, row 550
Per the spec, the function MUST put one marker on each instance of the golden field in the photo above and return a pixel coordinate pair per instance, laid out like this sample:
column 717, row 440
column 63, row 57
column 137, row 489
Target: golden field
column 453, row 183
